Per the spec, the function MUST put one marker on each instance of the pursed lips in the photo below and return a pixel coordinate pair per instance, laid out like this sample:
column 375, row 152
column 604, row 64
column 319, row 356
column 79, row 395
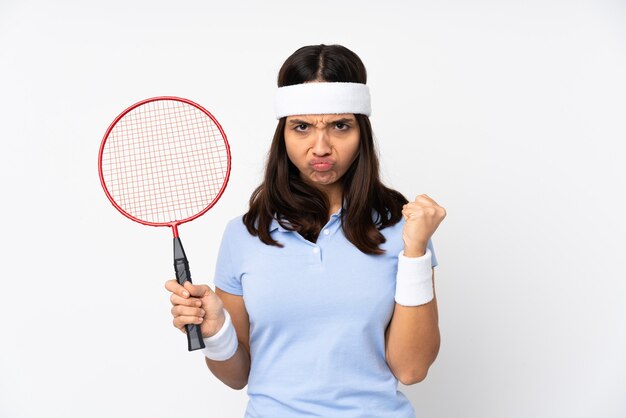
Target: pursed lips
column 322, row 164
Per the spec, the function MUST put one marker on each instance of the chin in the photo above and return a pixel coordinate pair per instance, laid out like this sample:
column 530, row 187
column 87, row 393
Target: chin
column 325, row 182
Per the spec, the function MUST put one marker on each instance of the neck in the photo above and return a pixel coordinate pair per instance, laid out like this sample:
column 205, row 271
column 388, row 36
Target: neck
column 334, row 194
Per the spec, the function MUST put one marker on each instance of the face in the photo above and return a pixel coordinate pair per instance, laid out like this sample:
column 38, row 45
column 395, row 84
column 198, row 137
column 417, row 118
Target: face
column 322, row 146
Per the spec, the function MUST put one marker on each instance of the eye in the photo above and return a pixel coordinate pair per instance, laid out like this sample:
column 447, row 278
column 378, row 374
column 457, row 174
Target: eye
column 342, row 126
column 300, row 127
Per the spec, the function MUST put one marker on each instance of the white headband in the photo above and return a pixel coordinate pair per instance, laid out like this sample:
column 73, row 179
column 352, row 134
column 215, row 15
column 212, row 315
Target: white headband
column 322, row 98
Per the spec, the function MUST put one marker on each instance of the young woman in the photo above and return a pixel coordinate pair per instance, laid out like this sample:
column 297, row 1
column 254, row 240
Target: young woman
column 324, row 290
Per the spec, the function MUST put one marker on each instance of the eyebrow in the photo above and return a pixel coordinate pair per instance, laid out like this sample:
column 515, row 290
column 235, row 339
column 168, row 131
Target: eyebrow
column 299, row 121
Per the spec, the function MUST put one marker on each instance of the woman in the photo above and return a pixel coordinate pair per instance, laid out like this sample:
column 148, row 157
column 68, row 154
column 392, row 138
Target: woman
column 324, row 289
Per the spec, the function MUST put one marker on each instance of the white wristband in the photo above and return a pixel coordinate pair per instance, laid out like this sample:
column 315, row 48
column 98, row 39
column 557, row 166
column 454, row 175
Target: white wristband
column 414, row 279
column 222, row 345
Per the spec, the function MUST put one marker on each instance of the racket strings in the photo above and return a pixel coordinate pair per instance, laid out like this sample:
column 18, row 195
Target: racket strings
column 164, row 161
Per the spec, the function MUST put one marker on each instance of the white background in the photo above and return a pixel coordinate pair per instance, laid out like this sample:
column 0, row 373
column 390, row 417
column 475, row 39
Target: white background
column 510, row 114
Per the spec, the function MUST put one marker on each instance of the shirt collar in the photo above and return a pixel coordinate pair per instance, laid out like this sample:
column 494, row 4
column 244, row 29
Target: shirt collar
column 275, row 225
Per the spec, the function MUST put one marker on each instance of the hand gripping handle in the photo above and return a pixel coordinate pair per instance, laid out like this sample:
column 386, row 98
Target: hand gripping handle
column 181, row 266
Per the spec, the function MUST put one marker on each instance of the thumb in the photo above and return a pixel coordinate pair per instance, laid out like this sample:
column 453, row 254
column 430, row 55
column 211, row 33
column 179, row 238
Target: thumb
column 197, row 291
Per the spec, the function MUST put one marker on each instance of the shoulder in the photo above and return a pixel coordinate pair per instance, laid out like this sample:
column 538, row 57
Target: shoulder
column 236, row 227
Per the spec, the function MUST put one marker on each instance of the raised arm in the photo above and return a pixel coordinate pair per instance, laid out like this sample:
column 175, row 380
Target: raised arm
column 412, row 338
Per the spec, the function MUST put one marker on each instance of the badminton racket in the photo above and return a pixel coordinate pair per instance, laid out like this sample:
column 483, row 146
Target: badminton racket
column 165, row 161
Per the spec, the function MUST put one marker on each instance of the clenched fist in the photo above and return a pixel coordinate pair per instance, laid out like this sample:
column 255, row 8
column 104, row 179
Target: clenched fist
column 422, row 217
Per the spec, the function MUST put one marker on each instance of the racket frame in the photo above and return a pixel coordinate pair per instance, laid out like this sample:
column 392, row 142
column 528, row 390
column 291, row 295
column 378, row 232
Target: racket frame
column 174, row 224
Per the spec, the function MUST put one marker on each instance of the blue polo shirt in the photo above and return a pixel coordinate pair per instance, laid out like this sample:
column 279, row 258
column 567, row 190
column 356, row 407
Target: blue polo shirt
column 318, row 314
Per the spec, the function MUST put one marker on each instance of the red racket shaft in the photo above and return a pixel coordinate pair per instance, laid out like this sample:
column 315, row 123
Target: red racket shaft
column 181, row 266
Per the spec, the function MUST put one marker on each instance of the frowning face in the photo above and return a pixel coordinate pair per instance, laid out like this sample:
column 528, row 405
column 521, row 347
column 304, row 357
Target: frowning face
column 322, row 147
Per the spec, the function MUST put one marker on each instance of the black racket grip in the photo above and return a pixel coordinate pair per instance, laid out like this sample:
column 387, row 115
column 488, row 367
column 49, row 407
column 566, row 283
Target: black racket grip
column 181, row 266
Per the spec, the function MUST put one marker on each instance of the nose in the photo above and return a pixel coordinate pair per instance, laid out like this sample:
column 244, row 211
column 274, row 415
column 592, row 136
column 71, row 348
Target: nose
column 321, row 146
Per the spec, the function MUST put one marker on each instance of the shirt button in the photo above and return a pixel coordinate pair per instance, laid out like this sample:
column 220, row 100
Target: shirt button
column 316, row 250
column 326, row 232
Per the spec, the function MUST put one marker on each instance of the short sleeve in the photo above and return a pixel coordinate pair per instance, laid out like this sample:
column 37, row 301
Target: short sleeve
column 226, row 277
column 433, row 257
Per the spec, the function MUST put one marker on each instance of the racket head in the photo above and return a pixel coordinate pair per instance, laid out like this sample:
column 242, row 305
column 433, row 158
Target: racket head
column 164, row 161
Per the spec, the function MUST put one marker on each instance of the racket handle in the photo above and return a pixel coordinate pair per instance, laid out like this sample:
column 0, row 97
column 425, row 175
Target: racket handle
column 181, row 266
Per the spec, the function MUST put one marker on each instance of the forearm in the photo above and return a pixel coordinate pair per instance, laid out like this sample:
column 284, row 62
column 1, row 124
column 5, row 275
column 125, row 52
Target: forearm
column 233, row 372
column 412, row 341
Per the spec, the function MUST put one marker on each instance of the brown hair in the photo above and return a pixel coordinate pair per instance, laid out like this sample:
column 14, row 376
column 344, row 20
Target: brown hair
column 303, row 208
